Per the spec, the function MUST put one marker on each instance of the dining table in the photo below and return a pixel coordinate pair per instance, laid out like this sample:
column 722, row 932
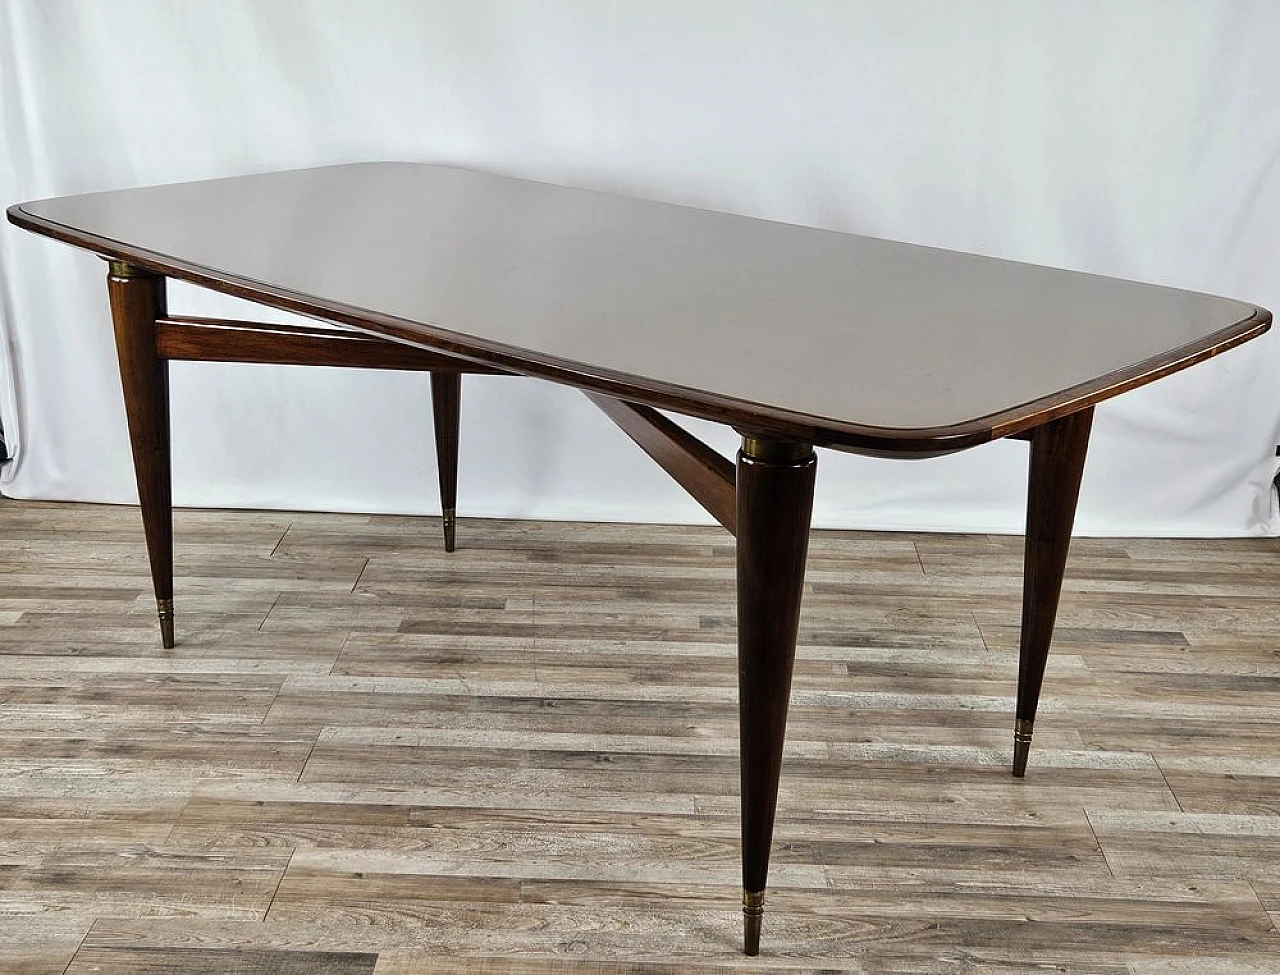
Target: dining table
column 796, row 337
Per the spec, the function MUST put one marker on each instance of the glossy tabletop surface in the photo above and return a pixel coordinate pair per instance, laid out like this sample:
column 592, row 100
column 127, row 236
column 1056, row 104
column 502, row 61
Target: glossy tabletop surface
column 843, row 340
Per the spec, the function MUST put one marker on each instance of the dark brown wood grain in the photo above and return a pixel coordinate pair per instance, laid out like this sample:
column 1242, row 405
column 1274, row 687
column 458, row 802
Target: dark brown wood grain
column 775, row 501
column 147, row 338
column 1053, row 486
column 705, row 474
column 224, row 340
column 137, row 300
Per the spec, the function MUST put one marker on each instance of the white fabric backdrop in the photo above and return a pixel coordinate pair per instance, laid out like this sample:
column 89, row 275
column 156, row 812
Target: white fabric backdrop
column 1138, row 139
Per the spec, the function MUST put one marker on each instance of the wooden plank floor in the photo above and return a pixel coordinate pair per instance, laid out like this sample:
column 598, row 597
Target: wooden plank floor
column 366, row 756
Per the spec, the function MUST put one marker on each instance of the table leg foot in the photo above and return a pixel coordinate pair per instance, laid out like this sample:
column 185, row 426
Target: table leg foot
column 450, row 529
column 1021, row 746
column 164, row 608
column 752, row 918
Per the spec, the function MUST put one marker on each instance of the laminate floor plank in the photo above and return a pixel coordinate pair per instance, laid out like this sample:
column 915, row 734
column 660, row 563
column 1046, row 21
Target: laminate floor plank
column 1189, row 844
column 366, row 755
column 142, row 881
column 197, row 961
column 40, row 945
column 1268, row 891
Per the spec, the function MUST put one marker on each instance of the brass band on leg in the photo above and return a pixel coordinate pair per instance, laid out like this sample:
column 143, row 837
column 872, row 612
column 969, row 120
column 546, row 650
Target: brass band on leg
column 752, row 918
column 123, row 269
column 164, row 608
column 776, row 451
column 1021, row 745
column 450, row 528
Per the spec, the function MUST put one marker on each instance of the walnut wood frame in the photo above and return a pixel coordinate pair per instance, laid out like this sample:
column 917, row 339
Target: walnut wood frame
column 227, row 340
column 708, row 477
column 147, row 339
column 765, row 500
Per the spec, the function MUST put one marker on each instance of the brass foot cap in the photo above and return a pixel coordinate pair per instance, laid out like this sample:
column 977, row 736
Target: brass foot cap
column 752, row 918
column 1021, row 746
column 450, row 529
column 164, row 608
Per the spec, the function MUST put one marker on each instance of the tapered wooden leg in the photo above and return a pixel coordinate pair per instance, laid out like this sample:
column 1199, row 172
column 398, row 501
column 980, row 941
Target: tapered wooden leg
column 446, row 397
column 774, row 502
column 1057, row 461
column 137, row 300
